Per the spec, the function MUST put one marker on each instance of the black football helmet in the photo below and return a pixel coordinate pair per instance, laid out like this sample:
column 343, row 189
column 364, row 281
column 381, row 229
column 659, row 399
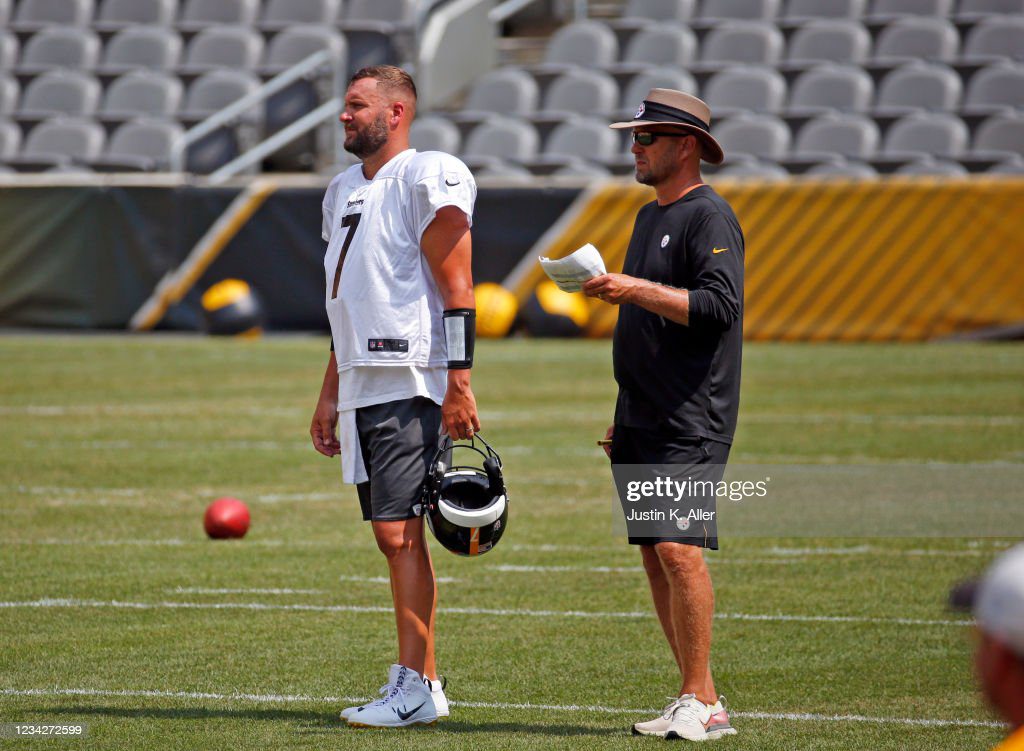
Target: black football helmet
column 466, row 506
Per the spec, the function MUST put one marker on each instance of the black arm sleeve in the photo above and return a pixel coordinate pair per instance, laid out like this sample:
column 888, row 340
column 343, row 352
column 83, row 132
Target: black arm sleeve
column 715, row 261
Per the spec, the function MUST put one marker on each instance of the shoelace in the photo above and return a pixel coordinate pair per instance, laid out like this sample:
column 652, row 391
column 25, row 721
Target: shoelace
column 671, row 708
column 687, row 706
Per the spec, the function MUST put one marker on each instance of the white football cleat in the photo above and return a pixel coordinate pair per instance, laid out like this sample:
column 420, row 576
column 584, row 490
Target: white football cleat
column 384, row 691
column 409, row 702
column 437, row 694
column 689, row 719
column 659, row 725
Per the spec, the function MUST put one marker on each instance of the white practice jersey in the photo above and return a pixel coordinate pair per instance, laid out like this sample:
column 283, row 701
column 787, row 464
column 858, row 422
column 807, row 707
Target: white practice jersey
column 382, row 302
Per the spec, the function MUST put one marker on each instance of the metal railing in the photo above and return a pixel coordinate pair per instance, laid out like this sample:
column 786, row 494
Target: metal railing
column 237, row 108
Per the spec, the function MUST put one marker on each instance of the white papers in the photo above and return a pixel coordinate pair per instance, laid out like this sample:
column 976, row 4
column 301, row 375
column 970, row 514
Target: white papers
column 570, row 272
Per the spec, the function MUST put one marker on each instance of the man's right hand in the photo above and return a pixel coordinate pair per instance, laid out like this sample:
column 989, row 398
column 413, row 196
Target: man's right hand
column 608, row 436
column 323, row 429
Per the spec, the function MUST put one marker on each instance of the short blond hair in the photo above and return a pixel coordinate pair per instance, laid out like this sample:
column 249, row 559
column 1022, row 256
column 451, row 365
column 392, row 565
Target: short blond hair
column 388, row 77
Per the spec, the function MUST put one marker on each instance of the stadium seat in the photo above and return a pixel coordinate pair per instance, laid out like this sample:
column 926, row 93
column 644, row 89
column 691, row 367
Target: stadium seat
column 1000, row 136
column 581, row 169
column 639, row 85
column 994, row 88
column 215, row 90
column 639, row 13
column 296, row 43
column 761, row 136
column 141, row 144
column 587, row 43
column 973, row 10
column 5, row 12
column 583, row 138
column 917, row 85
column 234, row 47
column 742, row 42
column 153, row 47
column 831, row 87
column 198, row 14
column 884, row 10
column 433, row 133
column 996, row 38
column 10, row 140
column 731, row 10
column 1012, row 166
column 33, row 15
column 804, row 10
column 502, row 138
column 840, row 167
column 658, row 44
column 142, row 92
column 917, row 38
column 8, row 50
column 61, row 140
column 10, row 92
column 753, row 169
column 926, row 134
column 497, row 171
column 60, row 47
column 745, row 87
column 581, row 92
column 503, row 91
column 931, row 166
column 120, row 14
column 848, row 135
column 60, row 92
column 831, row 40
column 280, row 14
column 397, row 14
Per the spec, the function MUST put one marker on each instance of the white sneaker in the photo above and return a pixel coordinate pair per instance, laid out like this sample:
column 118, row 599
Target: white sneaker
column 659, row 725
column 718, row 725
column 408, row 703
column 384, row 691
column 437, row 694
column 689, row 720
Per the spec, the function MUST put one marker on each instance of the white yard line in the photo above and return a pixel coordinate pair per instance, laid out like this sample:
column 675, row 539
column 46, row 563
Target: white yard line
column 270, row 698
column 387, row 580
column 246, row 591
column 70, row 602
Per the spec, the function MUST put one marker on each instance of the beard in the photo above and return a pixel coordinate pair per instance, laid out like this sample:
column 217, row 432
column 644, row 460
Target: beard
column 368, row 141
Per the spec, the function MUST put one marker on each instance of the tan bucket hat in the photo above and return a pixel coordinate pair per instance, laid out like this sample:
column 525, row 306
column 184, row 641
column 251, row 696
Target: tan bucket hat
column 671, row 107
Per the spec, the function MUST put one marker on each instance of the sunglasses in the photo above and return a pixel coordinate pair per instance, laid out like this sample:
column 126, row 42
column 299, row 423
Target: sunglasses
column 646, row 139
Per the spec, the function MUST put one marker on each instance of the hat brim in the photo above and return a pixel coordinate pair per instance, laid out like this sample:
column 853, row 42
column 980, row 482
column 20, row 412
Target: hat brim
column 963, row 596
column 711, row 153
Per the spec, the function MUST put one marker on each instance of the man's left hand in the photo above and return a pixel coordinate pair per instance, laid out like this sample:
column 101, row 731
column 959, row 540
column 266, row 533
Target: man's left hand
column 459, row 419
column 615, row 289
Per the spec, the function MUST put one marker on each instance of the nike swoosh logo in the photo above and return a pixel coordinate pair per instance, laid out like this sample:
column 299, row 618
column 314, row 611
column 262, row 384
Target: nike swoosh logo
column 716, row 251
column 410, row 713
column 451, row 185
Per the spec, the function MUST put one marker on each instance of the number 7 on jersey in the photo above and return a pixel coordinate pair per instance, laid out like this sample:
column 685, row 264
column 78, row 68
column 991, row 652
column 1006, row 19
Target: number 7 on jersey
column 351, row 221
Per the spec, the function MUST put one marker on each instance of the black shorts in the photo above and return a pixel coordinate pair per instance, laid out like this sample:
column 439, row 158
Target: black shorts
column 398, row 439
column 703, row 459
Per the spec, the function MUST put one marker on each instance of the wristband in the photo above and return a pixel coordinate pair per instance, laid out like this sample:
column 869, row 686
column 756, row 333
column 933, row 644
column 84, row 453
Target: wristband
column 460, row 336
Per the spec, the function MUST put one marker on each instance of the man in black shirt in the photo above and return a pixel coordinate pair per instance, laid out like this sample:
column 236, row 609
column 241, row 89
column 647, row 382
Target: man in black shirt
column 676, row 355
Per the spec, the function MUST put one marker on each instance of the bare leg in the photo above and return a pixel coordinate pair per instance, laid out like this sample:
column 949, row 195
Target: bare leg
column 413, row 590
column 662, row 595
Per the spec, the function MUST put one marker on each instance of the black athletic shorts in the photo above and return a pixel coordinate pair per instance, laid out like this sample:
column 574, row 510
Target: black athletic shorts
column 703, row 459
column 398, row 439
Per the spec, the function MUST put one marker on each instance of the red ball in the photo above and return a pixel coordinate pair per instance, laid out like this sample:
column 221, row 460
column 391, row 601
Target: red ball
column 226, row 518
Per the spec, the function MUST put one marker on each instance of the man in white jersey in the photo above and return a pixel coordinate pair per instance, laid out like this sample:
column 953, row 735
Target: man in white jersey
column 399, row 296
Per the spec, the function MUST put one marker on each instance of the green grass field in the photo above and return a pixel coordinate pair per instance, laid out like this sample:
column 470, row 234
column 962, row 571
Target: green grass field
column 118, row 612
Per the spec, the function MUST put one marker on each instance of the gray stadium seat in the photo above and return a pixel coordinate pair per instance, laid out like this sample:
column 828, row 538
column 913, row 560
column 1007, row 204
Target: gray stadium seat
column 60, row 47
column 745, row 87
column 581, row 92
column 5, row 11
column 280, row 14
column 32, row 15
column 972, row 10
column 120, row 14
column 141, row 144
column 399, row 13
column 642, row 11
column 996, row 38
column 832, row 40
column 718, row 10
column 919, row 85
column 803, row 10
column 198, row 14
column 888, row 9
column 581, row 169
column 235, row 47
column 654, row 78
column 8, row 50
column 927, row 134
column 60, row 92
column 931, row 166
column 1012, row 166
column 1000, row 135
column 215, row 90
column 499, row 172
column 583, row 138
column 831, row 87
column 153, row 47
column 503, row 91
column 848, row 135
column 666, row 44
column 743, row 42
column 433, row 133
column 295, row 43
column 995, row 87
column 10, row 91
column 142, row 92
column 591, row 44
column 761, row 136
column 62, row 139
column 10, row 140
column 917, row 38
column 753, row 169
column 840, row 167
column 503, row 138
